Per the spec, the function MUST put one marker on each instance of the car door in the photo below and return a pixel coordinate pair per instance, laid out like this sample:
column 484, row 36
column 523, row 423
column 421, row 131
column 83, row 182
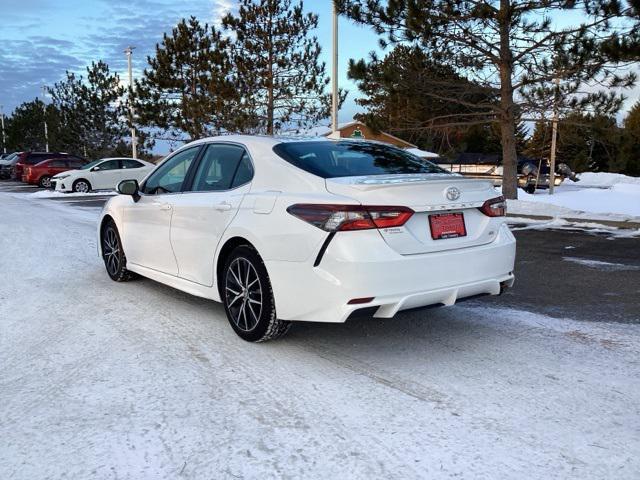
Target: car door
column 105, row 175
column 201, row 215
column 146, row 222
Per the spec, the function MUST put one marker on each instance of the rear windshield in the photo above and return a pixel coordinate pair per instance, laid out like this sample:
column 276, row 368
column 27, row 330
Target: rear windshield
column 328, row 159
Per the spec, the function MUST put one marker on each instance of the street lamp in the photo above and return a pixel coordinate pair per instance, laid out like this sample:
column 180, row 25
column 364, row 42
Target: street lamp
column 46, row 129
column 4, row 138
column 334, row 73
column 134, row 147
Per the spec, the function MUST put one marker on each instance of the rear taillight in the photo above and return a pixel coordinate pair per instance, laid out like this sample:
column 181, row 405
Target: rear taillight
column 495, row 207
column 334, row 218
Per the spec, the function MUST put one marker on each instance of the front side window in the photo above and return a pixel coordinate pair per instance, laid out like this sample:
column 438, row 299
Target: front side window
column 109, row 165
column 218, row 167
column 169, row 177
column 329, row 159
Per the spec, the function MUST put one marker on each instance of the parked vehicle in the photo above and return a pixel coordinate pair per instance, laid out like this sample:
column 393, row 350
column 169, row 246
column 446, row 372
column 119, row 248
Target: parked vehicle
column 41, row 173
column 32, row 158
column 6, row 165
column 102, row 174
column 308, row 230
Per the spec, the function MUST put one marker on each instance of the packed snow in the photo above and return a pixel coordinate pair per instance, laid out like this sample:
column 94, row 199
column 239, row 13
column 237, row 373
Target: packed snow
column 136, row 380
column 597, row 196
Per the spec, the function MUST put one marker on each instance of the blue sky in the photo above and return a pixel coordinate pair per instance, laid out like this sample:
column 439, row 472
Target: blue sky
column 40, row 39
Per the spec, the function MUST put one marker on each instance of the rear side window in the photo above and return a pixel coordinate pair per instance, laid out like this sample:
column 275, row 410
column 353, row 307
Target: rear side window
column 75, row 163
column 34, row 158
column 56, row 163
column 131, row 164
column 329, row 159
column 218, row 167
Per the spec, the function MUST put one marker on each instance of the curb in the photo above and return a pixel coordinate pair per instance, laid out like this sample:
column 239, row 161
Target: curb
column 624, row 224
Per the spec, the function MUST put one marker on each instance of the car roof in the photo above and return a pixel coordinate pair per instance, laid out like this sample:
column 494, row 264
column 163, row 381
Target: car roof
column 256, row 140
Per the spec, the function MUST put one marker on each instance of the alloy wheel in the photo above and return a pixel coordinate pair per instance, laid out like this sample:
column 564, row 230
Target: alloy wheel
column 45, row 182
column 82, row 187
column 243, row 291
column 111, row 251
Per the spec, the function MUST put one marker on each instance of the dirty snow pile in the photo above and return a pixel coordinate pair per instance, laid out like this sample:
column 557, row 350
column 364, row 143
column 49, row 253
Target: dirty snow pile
column 597, row 196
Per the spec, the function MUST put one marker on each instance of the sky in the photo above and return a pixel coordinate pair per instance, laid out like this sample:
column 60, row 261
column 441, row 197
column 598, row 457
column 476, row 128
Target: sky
column 41, row 39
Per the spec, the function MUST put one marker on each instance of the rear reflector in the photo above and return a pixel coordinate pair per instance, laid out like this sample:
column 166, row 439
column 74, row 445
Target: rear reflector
column 334, row 218
column 495, row 207
column 358, row 301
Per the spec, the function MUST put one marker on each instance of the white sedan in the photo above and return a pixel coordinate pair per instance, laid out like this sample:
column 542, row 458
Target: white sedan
column 103, row 174
column 308, row 230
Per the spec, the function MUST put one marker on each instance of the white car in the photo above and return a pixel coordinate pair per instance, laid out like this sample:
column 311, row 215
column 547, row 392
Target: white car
column 283, row 230
column 103, row 174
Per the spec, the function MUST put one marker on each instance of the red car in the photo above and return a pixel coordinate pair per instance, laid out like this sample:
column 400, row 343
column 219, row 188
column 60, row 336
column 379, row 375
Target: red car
column 32, row 158
column 41, row 173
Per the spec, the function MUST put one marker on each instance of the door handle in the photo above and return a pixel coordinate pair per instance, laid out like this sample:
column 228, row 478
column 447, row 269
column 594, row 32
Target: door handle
column 164, row 206
column 223, row 206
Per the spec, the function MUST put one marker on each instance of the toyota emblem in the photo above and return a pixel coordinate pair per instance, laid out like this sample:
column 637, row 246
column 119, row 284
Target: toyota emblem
column 452, row 193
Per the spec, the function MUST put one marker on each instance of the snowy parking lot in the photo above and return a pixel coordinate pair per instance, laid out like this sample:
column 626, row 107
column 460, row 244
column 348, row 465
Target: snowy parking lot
column 139, row 381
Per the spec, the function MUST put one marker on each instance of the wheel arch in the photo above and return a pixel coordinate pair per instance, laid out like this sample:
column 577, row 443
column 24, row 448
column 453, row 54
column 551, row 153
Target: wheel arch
column 226, row 249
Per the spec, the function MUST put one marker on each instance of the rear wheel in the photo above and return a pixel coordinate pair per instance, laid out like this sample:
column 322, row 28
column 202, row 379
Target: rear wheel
column 81, row 186
column 248, row 298
column 113, row 255
column 45, row 181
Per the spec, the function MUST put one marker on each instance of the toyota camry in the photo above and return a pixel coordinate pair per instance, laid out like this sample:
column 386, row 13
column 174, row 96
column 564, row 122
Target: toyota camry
column 287, row 229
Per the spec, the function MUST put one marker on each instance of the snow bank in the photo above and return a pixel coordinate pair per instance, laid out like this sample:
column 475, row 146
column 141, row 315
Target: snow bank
column 52, row 193
column 603, row 179
column 599, row 196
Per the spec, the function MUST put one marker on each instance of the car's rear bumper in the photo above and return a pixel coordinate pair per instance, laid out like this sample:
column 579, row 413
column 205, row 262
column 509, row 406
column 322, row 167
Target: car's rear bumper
column 360, row 265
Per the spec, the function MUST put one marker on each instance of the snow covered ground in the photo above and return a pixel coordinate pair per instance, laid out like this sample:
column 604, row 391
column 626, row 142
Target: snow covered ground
column 138, row 381
column 597, row 196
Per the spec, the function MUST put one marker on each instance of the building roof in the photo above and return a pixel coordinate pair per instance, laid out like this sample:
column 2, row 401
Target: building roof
column 422, row 153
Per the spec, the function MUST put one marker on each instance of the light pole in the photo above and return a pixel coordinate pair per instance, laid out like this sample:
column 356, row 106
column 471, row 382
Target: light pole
column 4, row 138
column 134, row 147
column 46, row 129
column 554, row 138
column 334, row 74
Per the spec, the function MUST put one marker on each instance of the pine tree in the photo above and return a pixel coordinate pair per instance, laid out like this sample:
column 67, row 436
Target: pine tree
column 278, row 73
column 186, row 89
column 25, row 127
column 630, row 150
column 398, row 97
column 515, row 48
column 92, row 111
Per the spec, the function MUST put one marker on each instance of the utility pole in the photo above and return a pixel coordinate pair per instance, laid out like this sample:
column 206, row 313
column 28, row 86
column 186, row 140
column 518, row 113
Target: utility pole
column 334, row 74
column 554, row 138
column 134, row 147
column 4, row 138
column 46, row 129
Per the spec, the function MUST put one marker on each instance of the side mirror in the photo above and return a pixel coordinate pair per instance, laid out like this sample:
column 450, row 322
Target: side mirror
column 95, row 169
column 129, row 187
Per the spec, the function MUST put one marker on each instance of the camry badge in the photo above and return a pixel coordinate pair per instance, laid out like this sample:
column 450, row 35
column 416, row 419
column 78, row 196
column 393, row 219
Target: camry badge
column 452, row 193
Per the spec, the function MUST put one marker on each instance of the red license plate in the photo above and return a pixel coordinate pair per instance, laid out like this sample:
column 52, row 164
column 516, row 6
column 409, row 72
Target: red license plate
column 447, row 225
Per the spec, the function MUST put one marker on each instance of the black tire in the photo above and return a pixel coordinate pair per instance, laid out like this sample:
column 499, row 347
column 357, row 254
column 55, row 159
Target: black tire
column 248, row 297
column 45, row 181
column 115, row 261
column 78, row 186
column 530, row 189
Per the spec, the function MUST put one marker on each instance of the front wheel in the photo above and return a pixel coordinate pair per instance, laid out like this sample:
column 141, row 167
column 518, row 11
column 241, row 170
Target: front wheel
column 113, row 255
column 248, row 297
column 81, row 186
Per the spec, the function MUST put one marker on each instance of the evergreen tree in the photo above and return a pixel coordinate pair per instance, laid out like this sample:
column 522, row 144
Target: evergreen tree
column 399, row 98
column 515, row 48
column 25, row 127
column 93, row 113
column 630, row 150
column 186, row 89
column 278, row 73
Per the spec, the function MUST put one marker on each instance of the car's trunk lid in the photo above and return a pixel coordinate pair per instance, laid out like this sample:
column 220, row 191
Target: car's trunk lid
column 427, row 195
